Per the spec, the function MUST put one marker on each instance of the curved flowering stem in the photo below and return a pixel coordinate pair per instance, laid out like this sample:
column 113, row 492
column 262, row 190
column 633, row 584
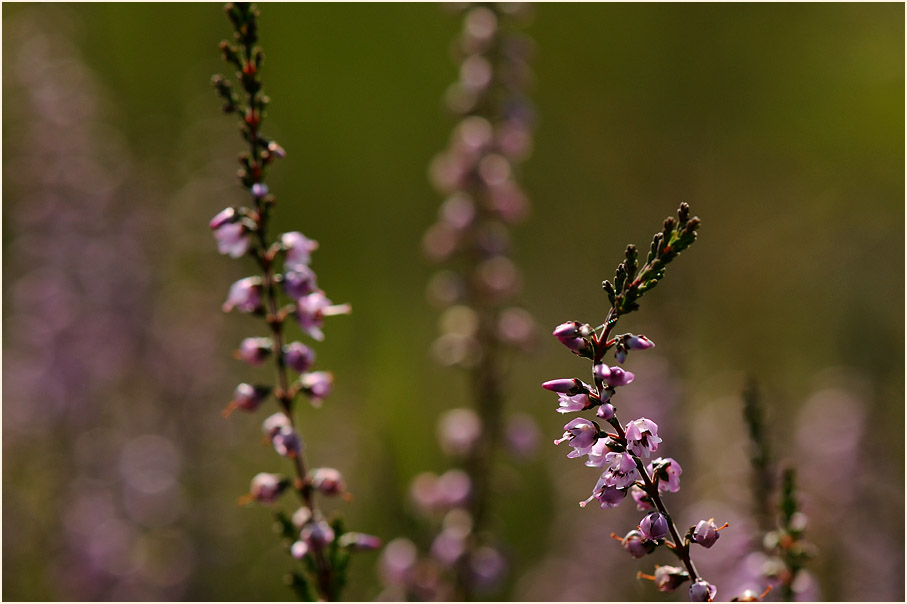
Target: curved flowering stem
column 621, row 453
column 322, row 547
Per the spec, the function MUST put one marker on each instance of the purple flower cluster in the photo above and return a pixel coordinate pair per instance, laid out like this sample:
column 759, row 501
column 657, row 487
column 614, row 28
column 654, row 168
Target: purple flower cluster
column 621, row 454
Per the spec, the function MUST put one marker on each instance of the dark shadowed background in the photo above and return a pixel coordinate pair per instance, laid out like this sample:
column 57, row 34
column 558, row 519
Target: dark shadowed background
column 782, row 125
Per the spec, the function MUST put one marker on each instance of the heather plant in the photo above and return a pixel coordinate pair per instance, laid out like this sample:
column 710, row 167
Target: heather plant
column 624, row 454
column 284, row 292
column 481, row 328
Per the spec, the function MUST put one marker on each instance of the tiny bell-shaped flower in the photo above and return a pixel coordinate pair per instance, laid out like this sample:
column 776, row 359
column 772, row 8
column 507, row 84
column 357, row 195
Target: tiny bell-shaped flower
column 231, row 235
column 317, row 385
column 247, row 397
column 642, row 499
column 298, row 357
column 299, row 281
column 669, row 578
column 666, row 472
column 298, row 248
column 286, row 442
column 313, row 308
column 254, row 351
column 642, row 437
column 621, row 470
column 327, row 481
column 654, row 527
column 573, row 329
column 579, row 402
column 581, row 434
column 702, row 591
column 244, row 295
column 706, row 533
column 273, row 424
column 266, row 488
column 609, row 496
column 316, row 534
column 635, row 544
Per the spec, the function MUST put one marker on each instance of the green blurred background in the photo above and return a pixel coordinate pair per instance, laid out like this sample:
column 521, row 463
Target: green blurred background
column 781, row 124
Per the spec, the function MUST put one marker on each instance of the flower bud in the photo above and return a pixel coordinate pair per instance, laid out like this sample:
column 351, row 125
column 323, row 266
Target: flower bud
column 266, row 488
column 654, row 526
column 706, row 533
column 669, row 578
column 572, row 329
column 299, row 549
column 606, row 411
column 247, row 398
column 566, row 386
column 638, row 342
column 636, row 545
column 702, row 591
column 286, row 442
column 254, row 351
column 317, row 385
column 273, row 424
column 259, row 190
column 327, row 481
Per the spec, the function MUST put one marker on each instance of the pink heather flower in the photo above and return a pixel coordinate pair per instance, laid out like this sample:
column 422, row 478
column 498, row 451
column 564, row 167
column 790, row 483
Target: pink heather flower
column 669, row 578
column 458, row 431
column 654, row 526
column 327, row 481
column 244, row 295
column 621, row 470
column 597, row 453
column 298, row 248
column 317, row 385
column 642, row 437
column 248, row 397
column 569, row 404
column 453, row 488
column 642, row 499
column 276, row 150
column 702, row 591
column 449, row 545
column 286, row 442
column 620, row 354
column 299, row 281
column 232, row 240
column 316, row 534
column 609, row 496
column 638, row 343
column 231, row 236
column 313, row 308
column 706, row 533
column 666, row 472
column 636, row 545
column 567, row 386
column 582, row 434
column 266, row 488
column 273, row 424
column 254, row 351
column 613, row 376
column 298, row 357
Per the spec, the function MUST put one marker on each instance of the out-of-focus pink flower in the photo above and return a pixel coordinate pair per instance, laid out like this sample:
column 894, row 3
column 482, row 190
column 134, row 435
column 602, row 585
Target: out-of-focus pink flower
column 244, row 295
column 298, row 248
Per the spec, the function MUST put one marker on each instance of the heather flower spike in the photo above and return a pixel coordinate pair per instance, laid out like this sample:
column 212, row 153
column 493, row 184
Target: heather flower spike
column 278, row 297
column 476, row 176
column 623, row 455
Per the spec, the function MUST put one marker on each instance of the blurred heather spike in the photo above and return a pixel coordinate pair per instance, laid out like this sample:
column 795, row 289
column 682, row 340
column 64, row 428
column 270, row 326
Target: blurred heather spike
column 762, row 480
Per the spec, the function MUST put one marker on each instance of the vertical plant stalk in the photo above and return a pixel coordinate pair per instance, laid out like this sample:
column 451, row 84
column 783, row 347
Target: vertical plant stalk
column 477, row 173
column 762, row 478
column 322, row 548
